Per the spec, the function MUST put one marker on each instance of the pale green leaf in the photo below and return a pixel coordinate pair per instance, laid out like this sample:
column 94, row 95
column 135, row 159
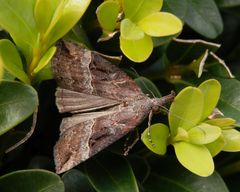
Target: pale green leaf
column 216, row 146
column 107, row 14
column 186, row 109
column 222, row 122
column 204, row 134
column 158, row 134
column 130, row 31
column 196, row 158
column 138, row 9
column 17, row 18
column 211, row 90
column 72, row 12
column 44, row 18
column 45, row 60
column 137, row 50
column 232, row 139
column 10, row 59
column 160, row 24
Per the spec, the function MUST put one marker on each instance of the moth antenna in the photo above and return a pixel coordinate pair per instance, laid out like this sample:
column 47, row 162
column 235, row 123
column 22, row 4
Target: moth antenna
column 143, row 82
column 27, row 136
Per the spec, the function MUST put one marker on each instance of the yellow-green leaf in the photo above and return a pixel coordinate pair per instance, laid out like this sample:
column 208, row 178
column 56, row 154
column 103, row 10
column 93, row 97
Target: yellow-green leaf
column 45, row 60
column 137, row 50
column 159, row 134
column 130, row 30
column 11, row 61
column 160, row 24
column 204, row 133
column 222, row 122
column 211, row 90
column 196, row 158
column 232, row 139
column 107, row 14
column 186, row 109
column 216, row 146
column 44, row 18
column 138, row 9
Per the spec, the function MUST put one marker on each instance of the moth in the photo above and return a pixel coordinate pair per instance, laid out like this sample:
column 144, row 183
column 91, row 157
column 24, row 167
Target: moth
column 105, row 104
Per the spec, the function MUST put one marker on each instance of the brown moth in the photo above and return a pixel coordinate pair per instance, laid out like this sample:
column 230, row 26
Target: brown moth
column 106, row 104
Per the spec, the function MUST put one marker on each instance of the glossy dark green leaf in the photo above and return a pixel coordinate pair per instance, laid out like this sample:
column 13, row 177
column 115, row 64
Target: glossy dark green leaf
column 148, row 87
column 159, row 134
column 178, row 8
column 17, row 103
column 107, row 14
column 138, row 9
column 31, row 180
column 75, row 181
column 108, row 176
column 16, row 17
column 228, row 3
column 169, row 176
column 204, row 13
column 229, row 103
column 186, row 109
column 11, row 60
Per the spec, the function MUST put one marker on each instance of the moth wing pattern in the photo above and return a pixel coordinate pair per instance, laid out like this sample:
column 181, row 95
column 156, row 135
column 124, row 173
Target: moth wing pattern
column 85, row 134
column 81, row 70
column 88, row 82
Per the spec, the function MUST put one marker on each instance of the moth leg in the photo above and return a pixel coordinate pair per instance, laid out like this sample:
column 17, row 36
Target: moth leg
column 128, row 147
column 149, row 128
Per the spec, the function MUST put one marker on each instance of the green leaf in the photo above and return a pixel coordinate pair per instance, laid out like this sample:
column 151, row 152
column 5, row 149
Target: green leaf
column 160, row 24
column 216, row 146
column 71, row 13
column 137, row 50
column 107, row 14
column 44, row 74
column 204, row 17
column 211, row 90
column 228, row 3
column 178, row 8
column 232, row 139
column 45, row 59
column 76, row 181
column 196, row 158
column 186, row 109
column 16, row 17
column 159, row 134
column 229, row 103
column 106, row 176
column 10, row 59
column 204, row 134
column 44, row 19
column 31, row 180
column 148, row 87
column 17, row 103
column 138, row 9
column 130, row 31
column 222, row 122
